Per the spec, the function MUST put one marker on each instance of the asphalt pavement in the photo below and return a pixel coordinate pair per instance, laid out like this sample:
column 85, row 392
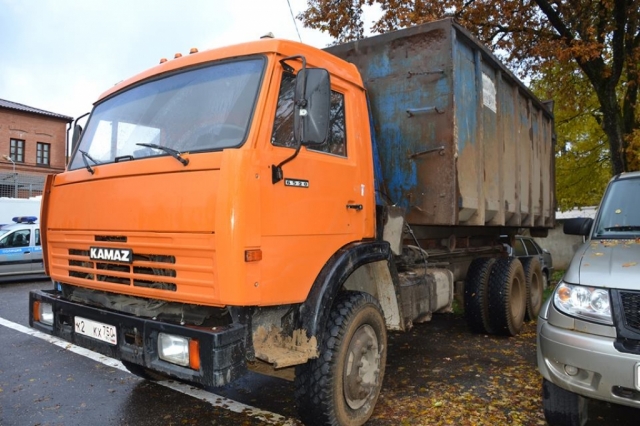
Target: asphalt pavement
column 437, row 374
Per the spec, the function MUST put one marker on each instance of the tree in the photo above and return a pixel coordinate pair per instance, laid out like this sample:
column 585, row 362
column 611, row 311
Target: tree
column 600, row 39
column 583, row 161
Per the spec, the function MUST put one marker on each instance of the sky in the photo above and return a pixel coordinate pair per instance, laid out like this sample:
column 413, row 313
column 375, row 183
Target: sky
column 60, row 55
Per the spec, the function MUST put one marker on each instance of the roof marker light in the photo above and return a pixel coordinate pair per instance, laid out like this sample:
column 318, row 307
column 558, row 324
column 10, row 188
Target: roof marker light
column 177, row 55
column 193, row 50
column 163, row 60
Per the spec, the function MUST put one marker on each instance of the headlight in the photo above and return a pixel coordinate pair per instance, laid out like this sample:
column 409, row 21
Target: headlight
column 174, row 349
column 43, row 312
column 588, row 303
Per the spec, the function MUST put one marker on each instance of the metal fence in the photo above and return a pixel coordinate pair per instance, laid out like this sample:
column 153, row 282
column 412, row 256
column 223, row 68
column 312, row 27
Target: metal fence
column 21, row 185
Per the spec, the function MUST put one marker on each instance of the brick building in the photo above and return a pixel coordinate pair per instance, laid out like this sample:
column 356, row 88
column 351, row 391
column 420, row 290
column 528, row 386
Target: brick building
column 32, row 145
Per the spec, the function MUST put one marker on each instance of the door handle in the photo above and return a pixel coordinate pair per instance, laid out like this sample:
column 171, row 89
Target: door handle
column 354, row 206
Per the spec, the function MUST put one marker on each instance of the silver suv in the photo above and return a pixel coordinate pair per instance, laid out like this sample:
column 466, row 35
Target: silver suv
column 20, row 248
column 589, row 329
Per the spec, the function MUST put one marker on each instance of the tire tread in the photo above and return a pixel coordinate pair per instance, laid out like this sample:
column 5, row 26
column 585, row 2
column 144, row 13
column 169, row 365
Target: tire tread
column 476, row 309
column 313, row 381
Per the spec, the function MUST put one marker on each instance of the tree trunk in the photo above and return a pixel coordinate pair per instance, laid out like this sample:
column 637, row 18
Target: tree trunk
column 612, row 126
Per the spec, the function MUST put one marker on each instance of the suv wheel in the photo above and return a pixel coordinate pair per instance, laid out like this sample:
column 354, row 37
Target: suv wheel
column 561, row 407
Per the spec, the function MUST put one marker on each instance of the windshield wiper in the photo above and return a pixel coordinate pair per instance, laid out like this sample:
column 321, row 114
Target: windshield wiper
column 85, row 157
column 175, row 154
column 623, row 228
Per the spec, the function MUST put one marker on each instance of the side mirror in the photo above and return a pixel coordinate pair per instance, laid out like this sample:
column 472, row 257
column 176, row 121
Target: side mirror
column 312, row 105
column 77, row 131
column 578, row 226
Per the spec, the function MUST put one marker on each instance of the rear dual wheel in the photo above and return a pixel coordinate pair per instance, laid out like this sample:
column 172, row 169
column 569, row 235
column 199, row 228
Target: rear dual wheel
column 507, row 297
column 496, row 295
column 476, row 307
column 535, row 280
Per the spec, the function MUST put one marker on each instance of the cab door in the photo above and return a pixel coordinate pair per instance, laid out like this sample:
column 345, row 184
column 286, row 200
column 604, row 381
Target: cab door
column 325, row 200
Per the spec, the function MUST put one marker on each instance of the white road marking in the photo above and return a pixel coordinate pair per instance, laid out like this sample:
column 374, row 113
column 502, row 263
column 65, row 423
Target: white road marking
column 212, row 398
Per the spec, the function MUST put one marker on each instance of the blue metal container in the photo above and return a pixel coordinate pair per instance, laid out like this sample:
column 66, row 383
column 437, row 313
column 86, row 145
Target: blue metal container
column 461, row 140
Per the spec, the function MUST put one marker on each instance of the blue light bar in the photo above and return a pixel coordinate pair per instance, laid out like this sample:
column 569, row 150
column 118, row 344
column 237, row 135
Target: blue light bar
column 24, row 219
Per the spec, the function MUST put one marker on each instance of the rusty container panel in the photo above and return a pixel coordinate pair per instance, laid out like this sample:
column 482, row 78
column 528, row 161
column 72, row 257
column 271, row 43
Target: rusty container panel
column 461, row 140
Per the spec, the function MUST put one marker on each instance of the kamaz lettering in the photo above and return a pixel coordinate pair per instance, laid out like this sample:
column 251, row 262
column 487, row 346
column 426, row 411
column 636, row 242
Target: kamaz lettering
column 115, row 255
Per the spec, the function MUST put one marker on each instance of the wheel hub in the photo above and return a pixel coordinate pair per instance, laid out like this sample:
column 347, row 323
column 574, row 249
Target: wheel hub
column 363, row 367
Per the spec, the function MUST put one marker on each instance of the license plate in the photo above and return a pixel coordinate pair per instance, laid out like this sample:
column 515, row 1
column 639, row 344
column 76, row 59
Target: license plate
column 96, row 330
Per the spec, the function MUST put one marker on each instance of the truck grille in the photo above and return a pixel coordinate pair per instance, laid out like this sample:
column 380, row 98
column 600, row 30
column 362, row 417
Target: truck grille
column 147, row 270
column 631, row 310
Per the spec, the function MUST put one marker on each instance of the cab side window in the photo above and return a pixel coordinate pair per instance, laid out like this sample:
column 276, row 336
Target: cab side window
column 282, row 135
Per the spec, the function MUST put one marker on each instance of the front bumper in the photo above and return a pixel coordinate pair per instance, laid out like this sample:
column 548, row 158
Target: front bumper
column 603, row 373
column 222, row 349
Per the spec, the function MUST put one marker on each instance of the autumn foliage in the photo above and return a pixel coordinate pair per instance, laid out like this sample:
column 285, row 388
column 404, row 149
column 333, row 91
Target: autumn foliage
column 599, row 40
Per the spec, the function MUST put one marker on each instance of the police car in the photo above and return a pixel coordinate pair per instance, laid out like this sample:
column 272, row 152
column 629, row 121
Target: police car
column 20, row 248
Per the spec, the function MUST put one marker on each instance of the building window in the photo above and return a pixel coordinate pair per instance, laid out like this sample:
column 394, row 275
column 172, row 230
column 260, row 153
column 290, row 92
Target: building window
column 42, row 154
column 16, row 150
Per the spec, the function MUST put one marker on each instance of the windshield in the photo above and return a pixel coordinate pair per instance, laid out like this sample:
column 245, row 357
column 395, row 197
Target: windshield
column 203, row 109
column 619, row 215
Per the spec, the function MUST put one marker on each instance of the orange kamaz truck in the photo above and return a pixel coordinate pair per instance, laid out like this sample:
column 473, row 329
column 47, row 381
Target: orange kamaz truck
column 274, row 207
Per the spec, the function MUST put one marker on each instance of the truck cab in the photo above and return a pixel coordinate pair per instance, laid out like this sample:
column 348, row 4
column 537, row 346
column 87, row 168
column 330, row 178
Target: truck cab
column 226, row 197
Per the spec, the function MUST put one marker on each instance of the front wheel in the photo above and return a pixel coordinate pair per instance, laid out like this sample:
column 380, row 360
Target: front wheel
column 561, row 407
column 342, row 385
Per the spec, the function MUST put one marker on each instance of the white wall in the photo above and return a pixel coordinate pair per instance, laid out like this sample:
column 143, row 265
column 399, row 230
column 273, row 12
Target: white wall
column 12, row 207
column 561, row 246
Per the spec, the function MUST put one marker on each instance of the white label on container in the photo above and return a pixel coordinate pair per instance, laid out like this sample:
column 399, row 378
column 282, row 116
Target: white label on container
column 488, row 92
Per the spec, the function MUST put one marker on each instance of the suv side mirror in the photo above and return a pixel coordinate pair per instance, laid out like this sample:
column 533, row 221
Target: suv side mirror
column 312, row 104
column 578, row 226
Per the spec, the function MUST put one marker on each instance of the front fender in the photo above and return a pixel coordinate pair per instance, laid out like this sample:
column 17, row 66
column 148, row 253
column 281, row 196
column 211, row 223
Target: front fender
column 313, row 313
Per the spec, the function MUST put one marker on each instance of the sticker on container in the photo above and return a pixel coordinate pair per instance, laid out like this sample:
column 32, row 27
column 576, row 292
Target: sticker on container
column 488, row 92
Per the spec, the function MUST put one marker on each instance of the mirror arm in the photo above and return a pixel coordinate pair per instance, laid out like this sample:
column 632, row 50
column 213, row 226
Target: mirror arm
column 276, row 171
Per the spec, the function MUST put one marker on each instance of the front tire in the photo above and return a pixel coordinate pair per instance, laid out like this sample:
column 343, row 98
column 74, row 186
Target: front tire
column 342, row 385
column 561, row 407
